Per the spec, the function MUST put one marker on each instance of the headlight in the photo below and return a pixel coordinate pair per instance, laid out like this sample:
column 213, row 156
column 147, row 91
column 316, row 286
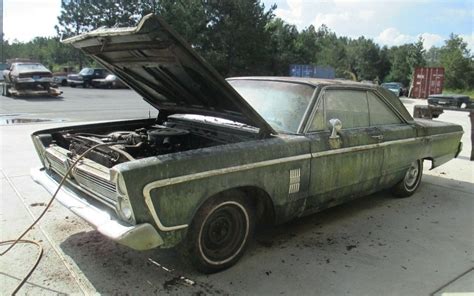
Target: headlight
column 125, row 208
column 121, row 188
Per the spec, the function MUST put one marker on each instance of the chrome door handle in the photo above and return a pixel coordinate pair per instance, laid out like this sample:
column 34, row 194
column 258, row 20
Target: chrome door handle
column 378, row 137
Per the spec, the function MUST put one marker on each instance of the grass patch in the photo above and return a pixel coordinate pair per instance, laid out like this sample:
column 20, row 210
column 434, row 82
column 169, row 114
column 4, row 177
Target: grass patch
column 467, row 92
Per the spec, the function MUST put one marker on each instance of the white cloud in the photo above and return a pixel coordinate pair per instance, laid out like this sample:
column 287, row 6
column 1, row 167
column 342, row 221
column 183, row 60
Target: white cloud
column 389, row 23
column 334, row 20
column 392, row 37
column 293, row 14
column 350, row 18
column 469, row 39
column 430, row 40
column 26, row 19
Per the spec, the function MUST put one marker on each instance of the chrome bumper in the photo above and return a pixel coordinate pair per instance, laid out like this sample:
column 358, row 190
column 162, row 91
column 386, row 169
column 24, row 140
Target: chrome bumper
column 139, row 237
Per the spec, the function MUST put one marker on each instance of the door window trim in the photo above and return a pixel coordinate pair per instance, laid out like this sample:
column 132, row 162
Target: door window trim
column 320, row 98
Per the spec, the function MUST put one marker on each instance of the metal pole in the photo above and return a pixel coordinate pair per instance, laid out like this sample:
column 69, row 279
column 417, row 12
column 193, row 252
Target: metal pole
column 1, row 59
column 471, row 116
column 1, row 29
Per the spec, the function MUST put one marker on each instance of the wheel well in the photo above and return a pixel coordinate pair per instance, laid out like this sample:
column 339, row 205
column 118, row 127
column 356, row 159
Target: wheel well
column 431, row 161
column 260, row 199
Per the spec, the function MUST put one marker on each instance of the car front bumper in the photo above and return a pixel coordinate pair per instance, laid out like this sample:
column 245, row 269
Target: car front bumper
column 139, row 237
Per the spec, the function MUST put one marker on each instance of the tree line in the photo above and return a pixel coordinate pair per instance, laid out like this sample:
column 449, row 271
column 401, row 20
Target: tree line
column 243, row 37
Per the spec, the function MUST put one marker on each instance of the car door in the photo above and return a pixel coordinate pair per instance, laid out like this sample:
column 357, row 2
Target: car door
column 396, row 135
column 347, row 164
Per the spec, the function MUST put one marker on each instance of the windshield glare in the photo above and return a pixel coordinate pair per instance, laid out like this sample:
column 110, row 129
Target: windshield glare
column 391, row 85
column 281, row 104
column 86, row 71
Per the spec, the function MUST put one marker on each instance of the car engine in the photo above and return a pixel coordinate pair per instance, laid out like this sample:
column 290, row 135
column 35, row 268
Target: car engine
column 128, row 145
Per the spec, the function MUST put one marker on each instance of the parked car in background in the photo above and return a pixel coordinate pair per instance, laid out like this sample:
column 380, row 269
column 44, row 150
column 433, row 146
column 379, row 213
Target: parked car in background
column 111, row 81
column 225, row 155
column 85, row 76
column 60, row 78
column 2, row 68
column 450, row 100
column 28, row 78
column 396, row 87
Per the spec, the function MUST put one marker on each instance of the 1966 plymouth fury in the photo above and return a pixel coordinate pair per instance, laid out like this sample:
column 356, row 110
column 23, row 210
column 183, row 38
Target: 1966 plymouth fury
column 225, row 155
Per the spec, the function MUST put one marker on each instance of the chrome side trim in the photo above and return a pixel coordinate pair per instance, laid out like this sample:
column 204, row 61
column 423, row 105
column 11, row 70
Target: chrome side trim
column 181, row 179
column 176, row 180
column 383, row 144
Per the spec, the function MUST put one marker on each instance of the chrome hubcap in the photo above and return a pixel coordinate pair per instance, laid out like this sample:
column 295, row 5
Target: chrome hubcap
column 412, row 174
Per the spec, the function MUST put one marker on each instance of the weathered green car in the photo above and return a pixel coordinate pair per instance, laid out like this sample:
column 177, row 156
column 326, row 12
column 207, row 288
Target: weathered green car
column 223, row 156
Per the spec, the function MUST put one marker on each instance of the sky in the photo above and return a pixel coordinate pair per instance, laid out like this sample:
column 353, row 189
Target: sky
column 388, row 23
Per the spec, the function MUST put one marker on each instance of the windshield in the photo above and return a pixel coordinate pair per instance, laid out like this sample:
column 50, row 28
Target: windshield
column 86, row 71
column 391, row 85
column 32, row 68
column 281, row 104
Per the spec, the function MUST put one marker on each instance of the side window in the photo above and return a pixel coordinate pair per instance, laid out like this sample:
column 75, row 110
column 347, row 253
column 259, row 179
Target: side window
column 349, row 106
column 318, row 123
column 380, row 113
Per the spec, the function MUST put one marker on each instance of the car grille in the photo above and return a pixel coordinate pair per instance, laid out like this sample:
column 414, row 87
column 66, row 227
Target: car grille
column 56, row 163
column 95, row 184
column 85, row 175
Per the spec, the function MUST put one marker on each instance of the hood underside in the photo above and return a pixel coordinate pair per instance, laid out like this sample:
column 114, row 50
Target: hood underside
column 158, row 64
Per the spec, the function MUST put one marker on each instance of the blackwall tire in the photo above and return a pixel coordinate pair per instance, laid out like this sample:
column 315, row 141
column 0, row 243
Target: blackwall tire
column 411, row 181
column 220, row 232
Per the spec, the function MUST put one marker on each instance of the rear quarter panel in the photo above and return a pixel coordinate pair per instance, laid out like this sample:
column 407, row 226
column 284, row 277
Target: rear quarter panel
column 440, row 140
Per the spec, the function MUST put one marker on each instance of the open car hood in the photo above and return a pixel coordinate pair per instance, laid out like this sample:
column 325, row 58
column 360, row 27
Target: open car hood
column 158, row 64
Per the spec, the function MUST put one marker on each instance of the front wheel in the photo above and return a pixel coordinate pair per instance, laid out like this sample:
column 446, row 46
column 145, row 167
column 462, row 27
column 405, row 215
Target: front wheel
column 411, row 181
column 220, row 232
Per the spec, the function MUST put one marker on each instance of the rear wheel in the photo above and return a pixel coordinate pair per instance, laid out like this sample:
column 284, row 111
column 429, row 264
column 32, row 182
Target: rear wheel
column 411, row 181
column 220, row 232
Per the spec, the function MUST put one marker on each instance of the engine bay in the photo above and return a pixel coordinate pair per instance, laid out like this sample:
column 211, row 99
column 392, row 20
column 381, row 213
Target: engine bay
column 134, row 141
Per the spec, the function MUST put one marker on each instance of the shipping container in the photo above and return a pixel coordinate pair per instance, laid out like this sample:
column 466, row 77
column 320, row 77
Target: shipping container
column 426, row 81
column 312, row 71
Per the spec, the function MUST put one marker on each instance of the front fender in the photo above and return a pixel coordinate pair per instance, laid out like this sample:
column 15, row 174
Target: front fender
column 168, row 190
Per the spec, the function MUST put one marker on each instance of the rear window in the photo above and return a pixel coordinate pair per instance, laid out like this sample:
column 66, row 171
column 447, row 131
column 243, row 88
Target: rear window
column 31, row 68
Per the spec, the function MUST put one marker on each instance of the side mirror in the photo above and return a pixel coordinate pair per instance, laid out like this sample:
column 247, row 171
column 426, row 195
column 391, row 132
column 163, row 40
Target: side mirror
column 336, row 125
